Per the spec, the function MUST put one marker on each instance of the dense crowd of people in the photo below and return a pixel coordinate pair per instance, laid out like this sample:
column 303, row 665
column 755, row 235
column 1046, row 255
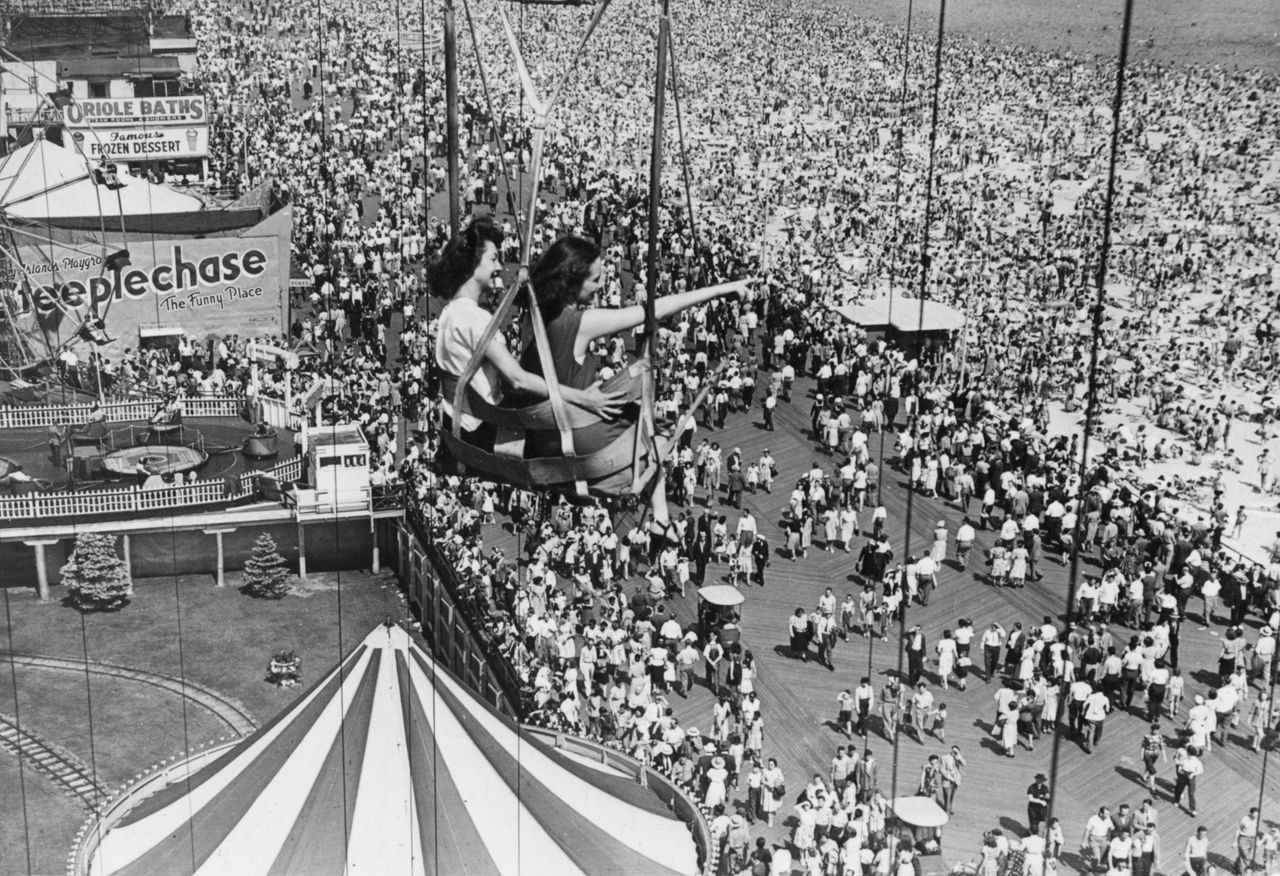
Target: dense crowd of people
column 807, row 174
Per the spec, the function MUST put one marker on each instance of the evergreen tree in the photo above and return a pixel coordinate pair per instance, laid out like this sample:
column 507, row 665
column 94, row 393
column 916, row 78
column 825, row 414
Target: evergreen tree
column 95, row 577
column 266, row 574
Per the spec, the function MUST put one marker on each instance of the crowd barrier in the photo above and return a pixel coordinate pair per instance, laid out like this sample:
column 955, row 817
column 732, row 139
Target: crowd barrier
column 451, row 628
column 433, row 589
column 38, row 416
column 133, row 499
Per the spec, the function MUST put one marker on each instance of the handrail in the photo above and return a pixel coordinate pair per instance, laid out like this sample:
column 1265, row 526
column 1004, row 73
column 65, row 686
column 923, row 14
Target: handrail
column 97, row 826
column 681, row 802
column 685, row 807
column 503, row 672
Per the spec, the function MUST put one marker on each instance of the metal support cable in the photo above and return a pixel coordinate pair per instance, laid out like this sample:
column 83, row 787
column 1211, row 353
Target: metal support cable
column 17, row 721
column 1091, row 402
column 924, row 256
column 684, row 154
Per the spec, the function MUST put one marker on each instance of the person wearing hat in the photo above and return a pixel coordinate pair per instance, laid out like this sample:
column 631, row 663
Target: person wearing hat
column 767, row 464
column 737, row 844
column 825, row 633
column 816, row 416
column 1264, row 652
column 715, row 779
column 915, row 645
column 1037, row 804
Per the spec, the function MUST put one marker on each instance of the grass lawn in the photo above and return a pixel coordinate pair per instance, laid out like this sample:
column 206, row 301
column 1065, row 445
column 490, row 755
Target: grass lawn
column 52, row 819
column 134, row 725
column 225, row 642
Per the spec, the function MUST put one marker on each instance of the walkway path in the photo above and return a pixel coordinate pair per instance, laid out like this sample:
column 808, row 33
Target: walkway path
column 800, row 698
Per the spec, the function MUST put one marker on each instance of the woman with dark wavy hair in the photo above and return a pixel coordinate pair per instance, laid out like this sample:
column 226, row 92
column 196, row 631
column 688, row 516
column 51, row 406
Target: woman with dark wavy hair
column 462, row 274
column 565, row 280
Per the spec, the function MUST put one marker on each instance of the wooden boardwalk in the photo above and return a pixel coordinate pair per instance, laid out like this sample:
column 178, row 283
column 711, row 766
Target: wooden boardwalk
column 800, row 698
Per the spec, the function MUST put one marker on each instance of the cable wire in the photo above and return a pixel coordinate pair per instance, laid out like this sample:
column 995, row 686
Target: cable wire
column 1091, row 402
column 17, row 723
column 911, row 415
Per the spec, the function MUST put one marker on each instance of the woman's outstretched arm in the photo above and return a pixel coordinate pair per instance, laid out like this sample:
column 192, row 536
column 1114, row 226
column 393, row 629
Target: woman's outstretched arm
column 600, row 322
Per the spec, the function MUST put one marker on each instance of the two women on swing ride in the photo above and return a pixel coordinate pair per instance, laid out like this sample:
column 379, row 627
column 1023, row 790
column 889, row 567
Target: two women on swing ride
column 564, row 279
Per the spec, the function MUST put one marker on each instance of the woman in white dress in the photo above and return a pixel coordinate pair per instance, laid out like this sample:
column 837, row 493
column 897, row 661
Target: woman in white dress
column 803, row 837
column 848, row 528
column 747, row 684
column 938, row 553
column 715, row 783
column 1018, row 567
column 946, row 650
column 831, row 528
column 1009, row 730
column 773, row 789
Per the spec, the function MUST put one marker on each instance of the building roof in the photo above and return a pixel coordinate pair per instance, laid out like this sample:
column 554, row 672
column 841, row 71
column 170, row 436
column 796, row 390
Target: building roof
column 333, row 436
column 89, row 67
column 904, row 314
column 42, row 182
column 173, row 27
column 389, row 765
column 43, row 38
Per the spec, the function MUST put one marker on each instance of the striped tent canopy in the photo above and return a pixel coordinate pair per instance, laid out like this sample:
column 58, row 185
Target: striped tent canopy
column 387, row 766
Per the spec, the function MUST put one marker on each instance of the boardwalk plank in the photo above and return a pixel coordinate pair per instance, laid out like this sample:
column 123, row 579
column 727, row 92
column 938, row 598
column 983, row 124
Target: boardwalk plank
column 799, row 698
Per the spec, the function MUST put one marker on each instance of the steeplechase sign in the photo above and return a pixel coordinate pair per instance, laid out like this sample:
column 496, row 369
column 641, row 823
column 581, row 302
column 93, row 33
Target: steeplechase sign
column 216, row 286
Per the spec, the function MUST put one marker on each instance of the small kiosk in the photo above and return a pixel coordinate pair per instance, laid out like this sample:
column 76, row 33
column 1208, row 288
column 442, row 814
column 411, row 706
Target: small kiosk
column 719, row 611
column 918, row 822
column 337, row 468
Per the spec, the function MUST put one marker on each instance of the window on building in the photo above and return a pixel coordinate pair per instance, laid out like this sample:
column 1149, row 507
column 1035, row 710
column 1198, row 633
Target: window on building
column 156, row 88
column 98, row 89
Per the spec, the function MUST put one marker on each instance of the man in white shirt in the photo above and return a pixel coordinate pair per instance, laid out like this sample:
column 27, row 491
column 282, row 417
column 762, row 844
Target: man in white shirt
column 1097, row 833
column 687, row 664
column 766, row 471
column 926, row 577
column 671, row 631
column 964, row 543
column 1224, row 706
column 1096, row 708
column 1188, row 768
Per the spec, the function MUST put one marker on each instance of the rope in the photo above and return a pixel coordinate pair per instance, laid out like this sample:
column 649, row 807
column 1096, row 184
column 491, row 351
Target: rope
column 1091, row 403
column 924, row 261
column 512, row 203
column 182, row 681
column 897, row 202
column 684, row 155
column 17, row 720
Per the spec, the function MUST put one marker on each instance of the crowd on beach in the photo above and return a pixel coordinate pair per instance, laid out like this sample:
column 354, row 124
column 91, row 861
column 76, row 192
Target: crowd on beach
column 807, row 166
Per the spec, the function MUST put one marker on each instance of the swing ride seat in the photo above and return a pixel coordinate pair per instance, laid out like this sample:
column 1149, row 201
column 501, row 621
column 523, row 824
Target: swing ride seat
column 507, row 461
column 640, row 450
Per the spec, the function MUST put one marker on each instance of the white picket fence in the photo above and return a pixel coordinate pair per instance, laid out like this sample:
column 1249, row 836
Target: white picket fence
column 120, row 500
column 36, row 416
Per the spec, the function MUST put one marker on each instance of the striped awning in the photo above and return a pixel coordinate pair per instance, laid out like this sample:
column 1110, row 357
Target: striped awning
column 389, row 765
